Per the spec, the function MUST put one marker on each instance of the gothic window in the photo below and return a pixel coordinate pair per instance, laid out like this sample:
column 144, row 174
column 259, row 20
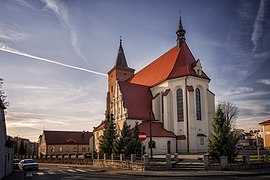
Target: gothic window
column 198, row 105
column 180, row 109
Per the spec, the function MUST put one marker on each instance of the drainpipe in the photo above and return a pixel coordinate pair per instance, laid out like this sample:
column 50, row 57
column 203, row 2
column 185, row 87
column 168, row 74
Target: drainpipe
column 187, row 115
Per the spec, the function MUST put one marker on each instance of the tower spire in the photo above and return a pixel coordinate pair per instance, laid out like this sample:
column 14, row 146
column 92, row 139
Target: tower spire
column 180, row 33
column 120, row 59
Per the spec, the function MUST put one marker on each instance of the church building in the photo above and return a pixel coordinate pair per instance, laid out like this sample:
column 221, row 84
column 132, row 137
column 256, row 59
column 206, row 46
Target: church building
column 169, row 98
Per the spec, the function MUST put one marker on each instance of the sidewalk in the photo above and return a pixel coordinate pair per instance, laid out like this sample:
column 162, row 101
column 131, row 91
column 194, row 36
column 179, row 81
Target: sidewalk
column 176, row 173
column 187, row 173
column 16, row 175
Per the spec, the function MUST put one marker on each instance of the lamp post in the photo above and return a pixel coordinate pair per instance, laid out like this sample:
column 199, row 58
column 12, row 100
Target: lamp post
column 257, row 143
column 151, row 142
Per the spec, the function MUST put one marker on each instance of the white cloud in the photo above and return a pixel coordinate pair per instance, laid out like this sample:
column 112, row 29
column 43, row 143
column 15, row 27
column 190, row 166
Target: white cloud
column 30, row 125
column 250, row 122
column 258, row 25
column 26, row 4
column 6, row 33
column 264, row 81
column 23, row 86
column 61, row 12
column 239, row 90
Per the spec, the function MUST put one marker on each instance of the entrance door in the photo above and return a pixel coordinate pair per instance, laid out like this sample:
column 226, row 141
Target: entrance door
column 168, row 147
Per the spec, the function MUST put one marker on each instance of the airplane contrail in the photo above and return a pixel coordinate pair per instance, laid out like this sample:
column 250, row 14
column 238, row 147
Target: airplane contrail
column 14, row 51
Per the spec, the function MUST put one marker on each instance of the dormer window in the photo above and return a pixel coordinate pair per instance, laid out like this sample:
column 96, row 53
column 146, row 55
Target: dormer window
column 198, row 68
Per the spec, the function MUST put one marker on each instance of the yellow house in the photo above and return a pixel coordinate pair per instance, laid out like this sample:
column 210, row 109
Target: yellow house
column 64, row 142
column 266, row 133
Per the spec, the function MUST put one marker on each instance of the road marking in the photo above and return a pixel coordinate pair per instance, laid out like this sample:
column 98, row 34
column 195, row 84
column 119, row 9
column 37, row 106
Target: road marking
column 40, row 173
column 51, row 172
column 80, row 170
column 29, row 174
column 70, row 170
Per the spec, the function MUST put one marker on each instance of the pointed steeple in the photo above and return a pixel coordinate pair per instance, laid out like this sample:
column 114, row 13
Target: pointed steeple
column 120, row 59
column 180, row 33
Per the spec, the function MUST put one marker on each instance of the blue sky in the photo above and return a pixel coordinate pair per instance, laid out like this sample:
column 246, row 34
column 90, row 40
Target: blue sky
column 231, row 38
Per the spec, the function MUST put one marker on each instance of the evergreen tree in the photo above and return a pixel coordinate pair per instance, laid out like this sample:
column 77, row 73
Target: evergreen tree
column 109, row 135
column 134, row 146
column 223, row 140
column 120, row 145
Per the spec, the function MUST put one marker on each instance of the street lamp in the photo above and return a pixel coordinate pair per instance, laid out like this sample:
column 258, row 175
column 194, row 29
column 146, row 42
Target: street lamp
column 151, row 142
column 257, row 143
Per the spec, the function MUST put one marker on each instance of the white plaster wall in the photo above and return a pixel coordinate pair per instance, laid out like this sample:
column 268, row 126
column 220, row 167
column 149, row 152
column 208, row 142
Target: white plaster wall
column 156, row 107
column 6, row 154
column 181, row 146
column 198, row 126
column 2, row 144
column 132, row 122
column 161, row 145
column 211, row 110
column 170, row 111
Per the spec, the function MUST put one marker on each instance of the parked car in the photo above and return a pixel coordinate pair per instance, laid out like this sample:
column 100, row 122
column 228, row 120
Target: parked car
column 16, row 163
column 28, row 164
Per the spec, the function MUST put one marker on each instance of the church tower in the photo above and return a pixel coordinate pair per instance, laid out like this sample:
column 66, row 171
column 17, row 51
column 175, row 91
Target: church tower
column 180, row 33
column 119, row 72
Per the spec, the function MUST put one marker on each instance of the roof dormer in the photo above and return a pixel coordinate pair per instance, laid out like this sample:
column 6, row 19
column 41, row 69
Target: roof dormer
column 198, row 68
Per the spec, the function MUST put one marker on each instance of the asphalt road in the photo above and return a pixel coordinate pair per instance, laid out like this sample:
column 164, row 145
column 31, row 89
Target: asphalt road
column 82, row 173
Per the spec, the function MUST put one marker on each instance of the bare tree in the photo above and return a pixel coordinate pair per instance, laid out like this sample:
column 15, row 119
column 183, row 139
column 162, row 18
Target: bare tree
column 3, row 95
column 230, row 111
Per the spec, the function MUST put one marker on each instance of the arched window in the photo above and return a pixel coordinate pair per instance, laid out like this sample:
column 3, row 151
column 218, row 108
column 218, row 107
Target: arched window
column 180, row 109
column 198, row 105
column 52, row 149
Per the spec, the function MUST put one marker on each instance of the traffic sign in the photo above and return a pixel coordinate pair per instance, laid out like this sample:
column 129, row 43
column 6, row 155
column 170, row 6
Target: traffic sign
column 142, row 136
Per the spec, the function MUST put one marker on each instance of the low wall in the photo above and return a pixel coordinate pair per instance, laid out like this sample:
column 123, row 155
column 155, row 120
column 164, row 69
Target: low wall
column 67, row 161
column 119, row 164
column 239, row 166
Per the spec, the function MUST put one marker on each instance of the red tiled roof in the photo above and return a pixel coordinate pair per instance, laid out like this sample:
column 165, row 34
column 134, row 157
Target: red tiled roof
column 157, row 129
column 181, row 137
column 100, row 127
column 67, row 137
column 173, row 64
column 166, row 92
column 265, row 122
column 156, row 96
column 190, row 88
column 137, row 99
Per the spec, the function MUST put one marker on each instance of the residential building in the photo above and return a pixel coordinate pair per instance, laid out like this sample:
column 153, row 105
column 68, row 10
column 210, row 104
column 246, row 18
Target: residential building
column 265, row 133
column 97, row 133
column 64, row 142
column 6, row 146
column 169, row 98
column 30, row 148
